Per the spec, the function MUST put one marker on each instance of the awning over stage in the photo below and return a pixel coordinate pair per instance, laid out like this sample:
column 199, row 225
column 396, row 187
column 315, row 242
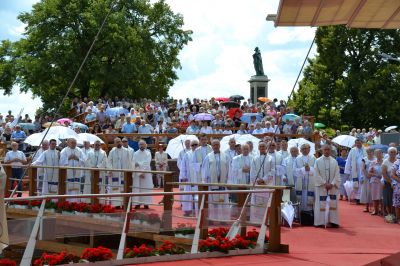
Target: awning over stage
column 380, row 14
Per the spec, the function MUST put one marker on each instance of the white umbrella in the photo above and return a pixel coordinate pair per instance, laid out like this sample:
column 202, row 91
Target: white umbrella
column 300, row 141
column 88, row 137
column 345, row 140
column 240, row 139
column 390, row 128
column 176, row 145
column 61, row 132
column 36, row 139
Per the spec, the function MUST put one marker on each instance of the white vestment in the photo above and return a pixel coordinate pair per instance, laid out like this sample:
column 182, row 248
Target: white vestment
column 50, row 175
column 118, row 158
column 39, row 172
column 289, row 164
column 96, row 159
column 199, row 154
column 277, row 168
column 215, row 170
column 326, row 172
column 142, row 182
column 304, row 185
column 353, row 167
column 187, row 172
column 74, row 177
column 237, row 176
column 161, row 161
column 260, row 170
column 179, row 163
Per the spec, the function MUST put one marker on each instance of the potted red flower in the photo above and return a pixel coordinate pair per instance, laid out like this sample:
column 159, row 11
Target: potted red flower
column 7, row 262
column 96, row 254
column 169, row 248
column 55, row 259
column 141, row 251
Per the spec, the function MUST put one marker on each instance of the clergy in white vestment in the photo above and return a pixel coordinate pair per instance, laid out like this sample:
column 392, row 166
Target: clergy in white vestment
column 276, row 164
column 215, row 170
column 187, row 174
column 40, row 171
column 86, row 149
column 161, row 161
column 289, row 179
column 354, row 166
column 327, row 182
column 96, row 158
column 142, row 182
column 50, row 157
column 230, row 153
column 199, row 155
column 74, row 157
column 118, row 158
column 240, row 167
column 179, row 162
column 261, row 173
column 130, row 150
column 284, row 149
column 305, row 177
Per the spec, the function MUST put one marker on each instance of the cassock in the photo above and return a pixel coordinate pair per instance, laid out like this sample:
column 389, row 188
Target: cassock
column 118, row 158
column 39, row 171
column 260, row 169
column 305, row 186
column 284, row 154
column 179, row 164
column 277, row 168
column 50, row 175
column 161, row 160
column 353, row 167
column 74, row 177
column 230, row 154
column 96, row 159
column 199, row 154
column 145, row 183
column 189, row 202
column 289, row 164
column 215, row 170
column 326, row 172
column 237, row 175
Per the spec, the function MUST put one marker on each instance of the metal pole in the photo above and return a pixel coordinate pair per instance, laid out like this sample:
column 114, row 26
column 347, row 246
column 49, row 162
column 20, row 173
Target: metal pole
column 125, row 230
column 195, row 243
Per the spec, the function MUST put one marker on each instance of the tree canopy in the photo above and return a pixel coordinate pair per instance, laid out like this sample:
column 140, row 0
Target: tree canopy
column 136, row 54
column 348, row 82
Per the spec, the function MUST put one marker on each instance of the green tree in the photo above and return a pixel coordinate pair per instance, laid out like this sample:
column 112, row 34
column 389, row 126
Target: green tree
column 136, row 54
column 348, row 82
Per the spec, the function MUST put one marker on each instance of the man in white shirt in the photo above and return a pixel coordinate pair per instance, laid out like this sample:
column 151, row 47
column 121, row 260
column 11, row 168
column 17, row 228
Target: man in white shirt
column 142, row 182
column 268, row 128
column 16, row 158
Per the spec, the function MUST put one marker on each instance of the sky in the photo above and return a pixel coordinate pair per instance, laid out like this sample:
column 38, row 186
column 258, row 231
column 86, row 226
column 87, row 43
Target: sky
column 218, row 62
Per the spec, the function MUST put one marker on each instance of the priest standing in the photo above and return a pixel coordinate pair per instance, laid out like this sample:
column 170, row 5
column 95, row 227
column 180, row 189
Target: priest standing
column 304, row 186
column 40, row 171
column 327, row 182
column 199, row 155
column 96, row 158
column 354, row 166
column 74, row 157
column 142, row 182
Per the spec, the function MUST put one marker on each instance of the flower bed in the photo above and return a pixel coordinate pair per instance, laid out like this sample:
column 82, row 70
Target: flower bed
column 88, row 255
column 7, row 262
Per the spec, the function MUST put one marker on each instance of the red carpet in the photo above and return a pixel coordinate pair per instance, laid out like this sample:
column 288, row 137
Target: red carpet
column 361, row 239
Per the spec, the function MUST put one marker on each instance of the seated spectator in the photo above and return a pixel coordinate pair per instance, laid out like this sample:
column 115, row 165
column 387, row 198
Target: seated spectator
column 206, row 129
column 242, row 129
column 128, row 127
column 192, row 129
column 258, row 129
column 227, row 130
column 18, row 136
column 90, row 116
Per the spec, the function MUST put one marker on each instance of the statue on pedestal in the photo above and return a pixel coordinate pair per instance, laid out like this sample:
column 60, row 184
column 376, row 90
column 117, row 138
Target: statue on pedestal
column 257, row 61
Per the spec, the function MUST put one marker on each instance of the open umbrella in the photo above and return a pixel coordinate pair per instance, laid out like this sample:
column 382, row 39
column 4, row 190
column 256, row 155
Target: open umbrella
column 345, row 140
column 62, row 121
column 388, row 129
column 176, row 145
column 290, row 117
column 116, row 111
column 81, row 126
column 246, row 117
column 47, row 124
column 319, row 125
column 240, row 139
column 383, row 148
column 61, row 132
column 236, row 97
column 230, row 105
column 203, row 117
column 88, row 137
column 27, row 126
column 35, row 139
column 300, row 141
column 233, row 111
column 264, row 99
column 222, row 99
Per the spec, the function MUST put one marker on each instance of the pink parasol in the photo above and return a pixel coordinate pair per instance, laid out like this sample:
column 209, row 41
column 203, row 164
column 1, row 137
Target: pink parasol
column 63, row 120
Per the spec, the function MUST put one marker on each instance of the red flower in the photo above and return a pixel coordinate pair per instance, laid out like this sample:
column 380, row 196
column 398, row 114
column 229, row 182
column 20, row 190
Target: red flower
column 97, row 254
column 7, row 262
column 55, row 259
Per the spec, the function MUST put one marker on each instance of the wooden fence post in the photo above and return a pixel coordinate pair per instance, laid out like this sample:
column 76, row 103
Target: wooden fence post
column 95, row 185
column 274, row 244
column 204, row 225
column 32, row 174
column 8, row 171
column 241, row 200
column 127, row 187
column 168, row 203
column 62, row 186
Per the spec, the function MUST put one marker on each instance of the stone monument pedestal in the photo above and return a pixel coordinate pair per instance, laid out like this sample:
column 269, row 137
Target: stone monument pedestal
column 258, row 87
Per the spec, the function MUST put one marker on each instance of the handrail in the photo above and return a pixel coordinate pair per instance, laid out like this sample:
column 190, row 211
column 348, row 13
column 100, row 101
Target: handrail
column 115, row 195
column 229, row 185
column 89, row 169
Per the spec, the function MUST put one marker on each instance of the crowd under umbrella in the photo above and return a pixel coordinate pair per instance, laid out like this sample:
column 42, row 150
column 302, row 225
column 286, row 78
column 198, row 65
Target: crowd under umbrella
column 62, row 121
column 232, row 112
column 291, row 117
column 240, row 139
column 300, row 141
column 345, row 140
column 81, row 126
column 246, row 117
column 176, row 145
column 203, row 117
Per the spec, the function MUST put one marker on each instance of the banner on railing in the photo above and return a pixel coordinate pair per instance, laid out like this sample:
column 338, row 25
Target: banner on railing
column 4, row 241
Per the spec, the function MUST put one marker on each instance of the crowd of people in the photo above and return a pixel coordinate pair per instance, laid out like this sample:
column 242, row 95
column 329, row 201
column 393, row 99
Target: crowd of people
column 319, row 181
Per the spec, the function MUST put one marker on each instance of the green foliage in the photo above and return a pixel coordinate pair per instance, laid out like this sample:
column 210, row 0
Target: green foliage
column 136, row 54
column 348, row 82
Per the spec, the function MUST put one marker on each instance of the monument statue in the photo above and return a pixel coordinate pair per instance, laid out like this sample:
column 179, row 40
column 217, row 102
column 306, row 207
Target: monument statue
column 257, row 61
